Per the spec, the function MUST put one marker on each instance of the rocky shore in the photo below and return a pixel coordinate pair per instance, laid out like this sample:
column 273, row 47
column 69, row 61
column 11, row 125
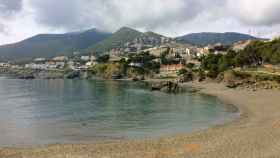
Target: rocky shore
column 46, row 74
column 166, row 86
column 255, row 82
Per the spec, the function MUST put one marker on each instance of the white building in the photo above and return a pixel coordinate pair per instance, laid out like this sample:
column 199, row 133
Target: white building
column 93, row 58
column 157, row 51
column 60, row 58
column 60, row 65
column 36, row 66
column 4, row 65
column 91, row 63
column 40, row 60
column 85, row 58
column 136, row 64
column 88, row 58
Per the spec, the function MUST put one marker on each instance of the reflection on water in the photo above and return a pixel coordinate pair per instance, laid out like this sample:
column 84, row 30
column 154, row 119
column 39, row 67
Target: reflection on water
column 41, row 112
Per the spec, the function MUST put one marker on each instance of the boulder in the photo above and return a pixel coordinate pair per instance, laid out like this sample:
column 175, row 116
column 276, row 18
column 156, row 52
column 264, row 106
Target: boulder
column 116, row 76
column 138, row 78
column 186, row 77
column 73, row 75
column 168, row 87
column 26, row 77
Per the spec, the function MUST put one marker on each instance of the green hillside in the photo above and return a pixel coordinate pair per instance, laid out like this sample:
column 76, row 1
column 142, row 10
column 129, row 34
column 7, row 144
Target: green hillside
column 152, row 34
column 206, row 38
column 117, row 40
column 49, row 45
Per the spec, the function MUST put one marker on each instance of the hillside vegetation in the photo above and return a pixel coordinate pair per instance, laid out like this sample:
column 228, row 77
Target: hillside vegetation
column 207, row 38
column 255, row 54
column 49, row 45
column 118, row 39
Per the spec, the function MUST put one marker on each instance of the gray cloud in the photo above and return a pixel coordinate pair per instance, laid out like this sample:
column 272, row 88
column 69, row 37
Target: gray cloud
column 170, row 17
column 112, row 14
column 59, row 13
column 255, row 12
column 8, row 7
column 146, row 14
column 2, row 28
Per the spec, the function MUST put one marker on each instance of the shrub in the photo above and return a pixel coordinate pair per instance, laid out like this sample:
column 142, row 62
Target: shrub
column 103, row 58
column 190, row 65
column 182, row 72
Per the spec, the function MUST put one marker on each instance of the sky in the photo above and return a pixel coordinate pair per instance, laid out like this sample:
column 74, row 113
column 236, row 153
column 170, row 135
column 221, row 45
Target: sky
column 20, row 19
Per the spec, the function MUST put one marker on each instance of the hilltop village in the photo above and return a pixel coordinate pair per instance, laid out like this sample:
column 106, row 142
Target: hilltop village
column 148, row 57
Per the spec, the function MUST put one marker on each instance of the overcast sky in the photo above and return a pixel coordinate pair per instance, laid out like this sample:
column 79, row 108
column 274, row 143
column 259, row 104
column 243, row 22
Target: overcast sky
column 20, row 19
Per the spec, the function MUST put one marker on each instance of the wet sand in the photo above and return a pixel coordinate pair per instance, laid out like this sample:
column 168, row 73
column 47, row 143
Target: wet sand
column 256, row 134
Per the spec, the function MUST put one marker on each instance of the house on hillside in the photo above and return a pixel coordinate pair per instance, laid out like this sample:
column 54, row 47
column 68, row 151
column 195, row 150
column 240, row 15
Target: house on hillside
column 190, row 53
column 61, row 58
column 36, row 66
column 241, row 45
column 157, row 51
column 5, row 65
column 202, row 51
column 71, row 64
column 171, row 68
column 114, row 59
column 85, row 58
column 178, row 50
column 93, row 58
column 40, row 60
column 55, row 64
column 74, row 65
column 135, row 64
column 91, row 63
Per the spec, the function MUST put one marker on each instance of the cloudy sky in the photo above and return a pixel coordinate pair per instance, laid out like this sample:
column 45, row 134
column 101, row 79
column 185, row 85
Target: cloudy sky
column 20, row 19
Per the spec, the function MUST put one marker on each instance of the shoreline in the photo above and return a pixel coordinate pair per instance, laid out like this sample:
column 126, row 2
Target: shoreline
column 255, row 133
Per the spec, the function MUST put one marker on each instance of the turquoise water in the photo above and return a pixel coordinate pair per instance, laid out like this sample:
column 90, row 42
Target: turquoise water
column 39, row 112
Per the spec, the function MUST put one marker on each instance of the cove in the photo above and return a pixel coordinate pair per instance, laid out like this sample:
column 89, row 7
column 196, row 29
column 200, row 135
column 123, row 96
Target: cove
column 41, row 112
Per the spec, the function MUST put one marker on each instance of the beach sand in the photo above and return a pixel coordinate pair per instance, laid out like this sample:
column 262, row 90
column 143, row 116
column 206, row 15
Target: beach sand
column 256, row 134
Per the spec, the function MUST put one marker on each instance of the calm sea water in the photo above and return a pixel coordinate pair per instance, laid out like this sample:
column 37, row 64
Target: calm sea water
column 39, row 112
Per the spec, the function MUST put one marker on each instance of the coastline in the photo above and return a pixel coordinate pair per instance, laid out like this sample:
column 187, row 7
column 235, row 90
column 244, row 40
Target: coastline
column 255, row 134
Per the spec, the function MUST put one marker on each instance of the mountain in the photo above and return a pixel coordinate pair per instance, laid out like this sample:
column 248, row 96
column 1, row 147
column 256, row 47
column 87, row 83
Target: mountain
column 152, row 34
column 118, row 39
column 49, row 45
column 206, row 38
column 124, row 40
column 128, row 40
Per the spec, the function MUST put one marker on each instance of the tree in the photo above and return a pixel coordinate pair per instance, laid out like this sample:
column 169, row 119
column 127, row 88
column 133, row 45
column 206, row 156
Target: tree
column 190, row 65
column 103, row 58
column 182, row 72
column 124, row 64
column 211, row 64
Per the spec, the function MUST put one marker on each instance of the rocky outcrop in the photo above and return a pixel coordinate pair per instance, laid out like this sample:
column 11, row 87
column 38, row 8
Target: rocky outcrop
column 72, row 75
column 187, row 77
column 41, row 74
column 26, row 77
column 235, row 80
column 138, row 78
column 49, row 75
column 166, row 86
column 233, row 84
column 22, row 74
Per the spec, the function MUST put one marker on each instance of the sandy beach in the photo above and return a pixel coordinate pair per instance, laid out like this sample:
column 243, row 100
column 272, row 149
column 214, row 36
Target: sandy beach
column 256, row 134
